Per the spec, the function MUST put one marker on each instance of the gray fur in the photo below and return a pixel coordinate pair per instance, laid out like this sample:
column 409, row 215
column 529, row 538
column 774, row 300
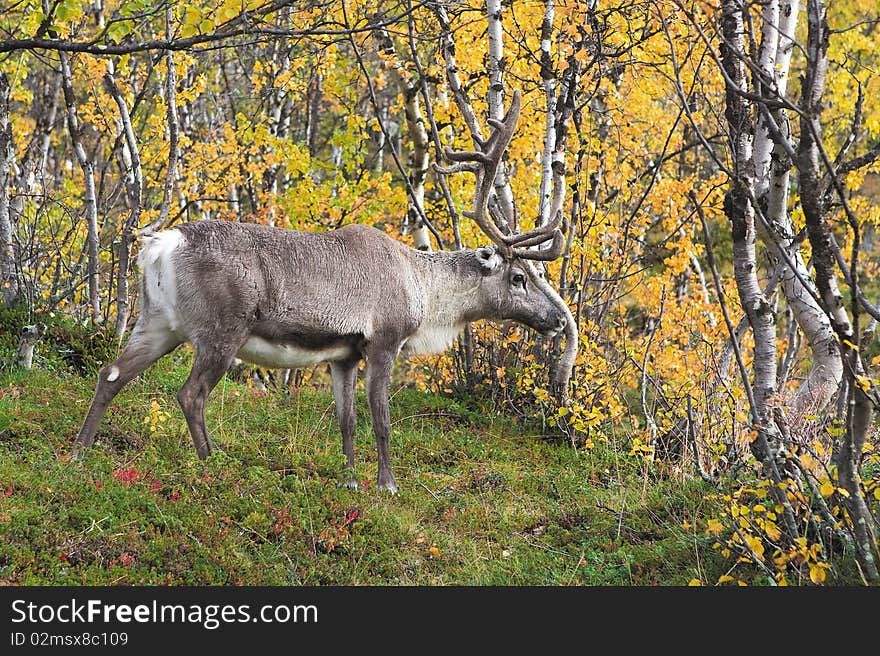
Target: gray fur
column 259, row 293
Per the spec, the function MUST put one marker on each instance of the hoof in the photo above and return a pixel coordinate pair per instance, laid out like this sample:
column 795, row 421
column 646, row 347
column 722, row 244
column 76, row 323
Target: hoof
column 77, row 454
column 390, row 486
column 347, row 478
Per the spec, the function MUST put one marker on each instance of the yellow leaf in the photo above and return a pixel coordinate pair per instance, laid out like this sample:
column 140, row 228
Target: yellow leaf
column 228, row 11
column 715, row 527
column 724, row 578
column 435, row 552
column 817, row 574
column 755, row 544
column 192, row 16
column 826, row 489
column 695, row 582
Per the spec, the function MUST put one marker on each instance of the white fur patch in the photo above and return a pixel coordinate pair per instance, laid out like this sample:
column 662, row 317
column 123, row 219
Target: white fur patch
column 432, row 339
column 113, row 375
column 158, row 269
column 287, row 356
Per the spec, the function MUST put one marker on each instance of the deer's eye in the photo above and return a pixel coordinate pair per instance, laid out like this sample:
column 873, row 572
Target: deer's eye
column 518, row 279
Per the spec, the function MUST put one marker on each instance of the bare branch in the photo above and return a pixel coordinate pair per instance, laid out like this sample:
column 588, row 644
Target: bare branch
column 173, row 129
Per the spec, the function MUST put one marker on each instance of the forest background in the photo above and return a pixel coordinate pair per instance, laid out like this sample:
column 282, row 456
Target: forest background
column 718, row 165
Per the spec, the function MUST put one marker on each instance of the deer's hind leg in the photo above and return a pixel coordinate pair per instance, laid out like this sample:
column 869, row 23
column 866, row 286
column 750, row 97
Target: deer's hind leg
column 149, row 341
column 211, row 362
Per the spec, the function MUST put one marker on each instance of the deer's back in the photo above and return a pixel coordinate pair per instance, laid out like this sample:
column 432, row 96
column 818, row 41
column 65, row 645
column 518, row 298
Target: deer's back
column 311, row 289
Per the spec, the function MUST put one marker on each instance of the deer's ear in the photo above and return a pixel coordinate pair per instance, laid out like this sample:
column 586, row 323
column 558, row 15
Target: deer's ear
column 489, row 259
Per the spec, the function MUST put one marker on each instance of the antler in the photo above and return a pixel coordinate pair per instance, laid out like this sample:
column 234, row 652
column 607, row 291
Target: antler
column 484, row 164
column 553, row 229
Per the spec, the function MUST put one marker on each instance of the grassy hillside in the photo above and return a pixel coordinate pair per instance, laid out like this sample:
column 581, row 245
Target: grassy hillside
column 483, row 501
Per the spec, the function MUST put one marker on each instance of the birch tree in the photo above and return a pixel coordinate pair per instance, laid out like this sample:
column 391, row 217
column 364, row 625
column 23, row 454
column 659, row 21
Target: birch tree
column 772, row 166
column 419, row 157
column 9, row 290
column 741, row 212
column 861, row 396
column 763, row 150
column 90, row 202
column 502, row 205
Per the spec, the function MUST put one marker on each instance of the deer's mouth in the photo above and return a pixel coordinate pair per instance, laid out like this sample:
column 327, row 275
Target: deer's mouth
column 553, row 332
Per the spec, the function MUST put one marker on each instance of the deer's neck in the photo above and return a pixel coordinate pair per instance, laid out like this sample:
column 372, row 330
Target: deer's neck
column 450, row 300
column 450, row 288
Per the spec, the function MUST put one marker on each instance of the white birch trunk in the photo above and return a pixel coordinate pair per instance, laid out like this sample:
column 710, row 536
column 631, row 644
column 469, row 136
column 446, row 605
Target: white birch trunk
column 134, row 175
column 8, row 279
column 173, row 125
column 766, row 64
column 550, row 126
column 89, row 198
column 772, row 168
column 741, row 213
column 419, row 159
column 495, row 98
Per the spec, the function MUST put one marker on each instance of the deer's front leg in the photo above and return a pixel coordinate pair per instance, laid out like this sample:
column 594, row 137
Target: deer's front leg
column 379, row 363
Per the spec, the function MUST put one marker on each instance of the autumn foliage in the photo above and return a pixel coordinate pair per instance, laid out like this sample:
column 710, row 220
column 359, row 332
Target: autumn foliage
column 298, row 115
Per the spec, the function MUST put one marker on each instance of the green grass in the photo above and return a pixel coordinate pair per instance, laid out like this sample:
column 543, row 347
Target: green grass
column 483, row 500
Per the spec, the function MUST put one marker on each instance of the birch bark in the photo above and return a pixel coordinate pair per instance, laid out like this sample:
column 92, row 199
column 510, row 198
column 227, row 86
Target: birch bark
column 89, row 198
column 9, row 289
column 772, row 167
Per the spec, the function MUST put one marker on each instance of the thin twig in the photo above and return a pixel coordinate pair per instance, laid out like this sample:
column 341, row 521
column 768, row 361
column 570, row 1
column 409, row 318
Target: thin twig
column 710, row 257
column 374, row 101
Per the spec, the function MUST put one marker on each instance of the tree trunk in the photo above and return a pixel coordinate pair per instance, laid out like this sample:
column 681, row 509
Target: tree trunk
column 418, row 166
column 173, row 129
column 9, row 287
column 90, row 201
column 549, row 78
column 772, row 166
column 313, row 113
column 859, row 406
column 419, row 159
column 739, row 211
column 506, row 218
column 767, row 420
column 27, row 340
column 46, row 139
column 135, row 193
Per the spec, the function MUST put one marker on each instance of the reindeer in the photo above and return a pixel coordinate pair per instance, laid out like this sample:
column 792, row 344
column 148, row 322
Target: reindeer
column 289, row 299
